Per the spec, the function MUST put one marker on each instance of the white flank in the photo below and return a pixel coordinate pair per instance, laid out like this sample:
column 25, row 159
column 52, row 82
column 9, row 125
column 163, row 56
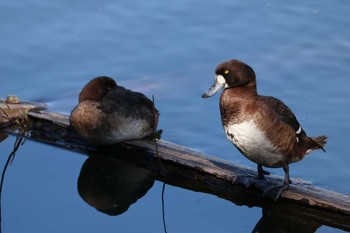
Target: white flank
column 251, row 140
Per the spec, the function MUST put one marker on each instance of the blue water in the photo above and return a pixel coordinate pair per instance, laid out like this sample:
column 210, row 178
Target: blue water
column 49, row 50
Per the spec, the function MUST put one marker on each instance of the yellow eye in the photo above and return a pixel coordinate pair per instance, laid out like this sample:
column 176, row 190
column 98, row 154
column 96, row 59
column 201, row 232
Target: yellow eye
column 227, row 71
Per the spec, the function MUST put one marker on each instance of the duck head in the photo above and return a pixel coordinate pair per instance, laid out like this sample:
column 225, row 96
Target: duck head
column 97, row 88
column 229, row 74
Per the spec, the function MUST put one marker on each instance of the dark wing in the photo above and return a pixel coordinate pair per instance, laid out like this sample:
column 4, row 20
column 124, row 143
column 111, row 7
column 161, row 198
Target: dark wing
column 125, row 100
column 285, row 114
column 130, row 104
column 288, row 117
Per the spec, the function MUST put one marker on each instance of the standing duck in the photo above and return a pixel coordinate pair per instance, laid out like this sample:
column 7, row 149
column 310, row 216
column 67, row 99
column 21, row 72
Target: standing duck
column 262, row 128
column 109, row 114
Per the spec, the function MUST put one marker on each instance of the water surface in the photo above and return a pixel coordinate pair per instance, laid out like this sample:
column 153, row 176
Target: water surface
column 49, row 50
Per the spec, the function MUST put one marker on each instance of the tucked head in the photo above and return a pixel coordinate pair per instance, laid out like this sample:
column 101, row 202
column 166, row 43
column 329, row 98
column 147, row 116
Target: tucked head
column 97, row 88
column 232, row 73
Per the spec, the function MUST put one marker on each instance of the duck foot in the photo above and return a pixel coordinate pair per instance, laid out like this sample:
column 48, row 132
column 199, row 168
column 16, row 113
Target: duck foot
column 158, row 134
column 273, row 191
column 250, row 181
column 269, row 190
column 257, row 181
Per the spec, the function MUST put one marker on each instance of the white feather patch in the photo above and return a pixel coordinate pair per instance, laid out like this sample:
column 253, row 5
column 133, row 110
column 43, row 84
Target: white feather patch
column 253, row 142
column 299, row 130
column 220, row 79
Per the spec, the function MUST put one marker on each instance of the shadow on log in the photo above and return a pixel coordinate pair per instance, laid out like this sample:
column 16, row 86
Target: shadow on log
column 196, row 171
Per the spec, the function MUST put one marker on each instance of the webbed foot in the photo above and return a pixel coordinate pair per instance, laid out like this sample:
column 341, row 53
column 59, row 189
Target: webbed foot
column 269, row 190
column 257, row 181
column 248, row 182
column 157, row 134
column 273, row 191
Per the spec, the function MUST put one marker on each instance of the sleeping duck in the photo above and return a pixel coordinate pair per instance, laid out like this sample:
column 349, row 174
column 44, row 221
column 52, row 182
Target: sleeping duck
column 109, row 114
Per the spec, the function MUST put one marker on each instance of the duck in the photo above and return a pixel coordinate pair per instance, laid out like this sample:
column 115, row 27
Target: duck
column 262, row 128
column 108, row 113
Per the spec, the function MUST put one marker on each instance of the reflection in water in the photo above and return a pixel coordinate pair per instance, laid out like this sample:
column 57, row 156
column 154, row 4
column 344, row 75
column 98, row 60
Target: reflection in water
column 276, row 222
column 111, row 185
column 19, row 142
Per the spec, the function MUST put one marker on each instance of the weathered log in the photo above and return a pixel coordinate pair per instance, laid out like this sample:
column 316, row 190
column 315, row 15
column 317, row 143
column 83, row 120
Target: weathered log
column 183, row 167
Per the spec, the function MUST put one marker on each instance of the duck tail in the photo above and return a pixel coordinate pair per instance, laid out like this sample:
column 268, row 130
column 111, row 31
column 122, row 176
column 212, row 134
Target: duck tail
column 317, row 142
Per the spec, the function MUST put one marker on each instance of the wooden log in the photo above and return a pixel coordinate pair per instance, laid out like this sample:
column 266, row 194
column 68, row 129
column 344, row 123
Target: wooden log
column 186, row 168
column 12, row 108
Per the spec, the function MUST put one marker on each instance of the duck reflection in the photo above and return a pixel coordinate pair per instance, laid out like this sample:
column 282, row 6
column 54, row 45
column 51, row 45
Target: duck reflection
column 276, row 222
column 111, row 185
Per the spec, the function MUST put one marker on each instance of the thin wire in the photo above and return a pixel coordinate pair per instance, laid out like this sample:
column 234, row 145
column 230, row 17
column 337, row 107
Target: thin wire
column 17, row 144
column 162, row 167
column 163, row 208
column 154, row 137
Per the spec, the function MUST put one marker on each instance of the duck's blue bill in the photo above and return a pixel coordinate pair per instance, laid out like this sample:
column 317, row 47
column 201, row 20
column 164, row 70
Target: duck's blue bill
column 217, row 86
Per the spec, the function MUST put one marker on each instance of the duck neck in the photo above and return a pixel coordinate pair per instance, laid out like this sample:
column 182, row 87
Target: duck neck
column 241, row 92
column 235, row 101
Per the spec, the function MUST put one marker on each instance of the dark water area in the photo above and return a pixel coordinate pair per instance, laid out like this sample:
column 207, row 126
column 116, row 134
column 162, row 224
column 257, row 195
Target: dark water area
column 300, row 52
